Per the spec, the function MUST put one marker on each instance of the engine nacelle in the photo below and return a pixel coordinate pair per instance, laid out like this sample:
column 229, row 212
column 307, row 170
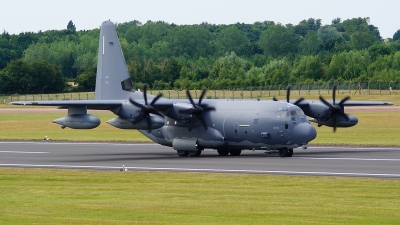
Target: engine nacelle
column 121, row 123
column 175, row 111
column 78, row 121
column 340, row 120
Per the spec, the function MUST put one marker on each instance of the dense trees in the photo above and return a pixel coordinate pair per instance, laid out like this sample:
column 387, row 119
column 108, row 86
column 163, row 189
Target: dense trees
column 396, row 36
column 37, row 77
column 166, row 55
column 231, row 39
column 278, row 41
column 71, row 26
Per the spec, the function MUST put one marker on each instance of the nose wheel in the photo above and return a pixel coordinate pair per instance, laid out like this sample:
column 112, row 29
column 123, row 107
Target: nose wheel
column 285, row 152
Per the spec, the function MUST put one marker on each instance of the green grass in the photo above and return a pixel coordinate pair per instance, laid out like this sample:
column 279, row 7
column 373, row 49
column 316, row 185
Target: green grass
column 382, row 128
column 45, row 196
column 36, row 125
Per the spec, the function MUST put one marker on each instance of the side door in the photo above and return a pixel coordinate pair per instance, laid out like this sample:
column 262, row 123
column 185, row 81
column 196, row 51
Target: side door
column 284, row 128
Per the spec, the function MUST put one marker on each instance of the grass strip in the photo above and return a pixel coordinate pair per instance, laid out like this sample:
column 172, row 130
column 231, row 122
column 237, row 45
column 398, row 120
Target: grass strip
column 47, row 196
column 37, row 125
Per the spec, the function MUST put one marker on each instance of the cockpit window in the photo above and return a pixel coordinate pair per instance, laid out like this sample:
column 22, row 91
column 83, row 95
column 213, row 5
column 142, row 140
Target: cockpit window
column 300, row 112
column 297, row 112
column 282, row 113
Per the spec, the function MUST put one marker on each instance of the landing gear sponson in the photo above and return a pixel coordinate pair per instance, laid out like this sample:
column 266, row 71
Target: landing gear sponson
column 221, row 152
column 283, row 152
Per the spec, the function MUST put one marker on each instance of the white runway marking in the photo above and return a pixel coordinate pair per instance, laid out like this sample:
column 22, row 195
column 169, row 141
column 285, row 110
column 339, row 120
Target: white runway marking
column 79, row 143
column 353, row 159
column 352, row 148
column 23, row 152
column 210, row 170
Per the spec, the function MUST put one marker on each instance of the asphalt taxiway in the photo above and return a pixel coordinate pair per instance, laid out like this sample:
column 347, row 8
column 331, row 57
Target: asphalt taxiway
column 382, row 162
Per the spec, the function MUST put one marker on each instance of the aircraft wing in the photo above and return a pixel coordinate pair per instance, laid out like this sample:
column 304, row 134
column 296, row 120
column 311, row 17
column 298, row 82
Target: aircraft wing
column 347, row 103
column 91, row 104
column 365, row 103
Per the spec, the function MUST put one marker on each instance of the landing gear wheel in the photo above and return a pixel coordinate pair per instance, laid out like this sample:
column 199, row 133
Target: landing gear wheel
column 223, row 152
column 235, row 152
column 195, row 153
column 182, row 153
column 290, row 152
column 284, row 152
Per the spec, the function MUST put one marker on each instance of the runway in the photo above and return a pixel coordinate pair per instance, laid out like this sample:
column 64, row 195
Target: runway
column 380, row 162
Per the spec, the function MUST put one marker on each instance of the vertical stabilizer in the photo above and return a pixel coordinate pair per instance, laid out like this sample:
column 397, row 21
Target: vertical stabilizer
column 112, row 80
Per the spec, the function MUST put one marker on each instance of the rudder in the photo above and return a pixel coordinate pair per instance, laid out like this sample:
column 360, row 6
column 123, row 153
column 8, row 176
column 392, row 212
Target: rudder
column 112, row 79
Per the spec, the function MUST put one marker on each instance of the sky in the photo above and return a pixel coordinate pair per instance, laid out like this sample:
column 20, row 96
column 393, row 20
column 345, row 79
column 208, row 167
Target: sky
column 18, row 16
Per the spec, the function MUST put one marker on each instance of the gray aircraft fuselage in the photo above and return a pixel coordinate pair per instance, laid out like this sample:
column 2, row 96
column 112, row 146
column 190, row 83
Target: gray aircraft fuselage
column 255, row 125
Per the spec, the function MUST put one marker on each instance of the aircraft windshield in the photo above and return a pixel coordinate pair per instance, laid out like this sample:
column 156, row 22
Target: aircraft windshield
column 297, row 112
column 282, row 113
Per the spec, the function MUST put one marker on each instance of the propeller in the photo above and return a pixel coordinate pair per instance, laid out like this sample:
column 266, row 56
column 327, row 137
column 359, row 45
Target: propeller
column 297, row 102
column 196, row 109
column 146, row 108
column 335, row 109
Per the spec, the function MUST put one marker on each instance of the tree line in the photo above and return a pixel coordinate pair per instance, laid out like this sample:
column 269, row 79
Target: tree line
column 168, row 56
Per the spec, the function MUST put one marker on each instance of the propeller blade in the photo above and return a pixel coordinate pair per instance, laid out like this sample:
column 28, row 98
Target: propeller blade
column 334, row 94
column 202, row 95
column 207, row 108
column 275, row 99
column 146, row 109
column 334, row 123
column 344, row 100
column 335, row 110
column 325, row 102
column 298, row 101
column 196, row 110
column 190, row 97
column 135, row 103
column 156, row 98
column 145, row 94
column 288, row 93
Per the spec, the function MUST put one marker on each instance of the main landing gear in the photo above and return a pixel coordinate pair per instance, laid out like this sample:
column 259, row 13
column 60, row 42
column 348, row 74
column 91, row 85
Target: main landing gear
column 286, row 152
column 182, row 153
column 225, row 152
column 222, row 152
column 191, row 153
column 283, row 152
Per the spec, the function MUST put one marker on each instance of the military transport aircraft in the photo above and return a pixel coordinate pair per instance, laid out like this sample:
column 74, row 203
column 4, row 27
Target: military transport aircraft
column 190, row 126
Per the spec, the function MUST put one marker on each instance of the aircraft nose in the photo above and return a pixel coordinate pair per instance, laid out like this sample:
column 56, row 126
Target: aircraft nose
column 304, row 133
